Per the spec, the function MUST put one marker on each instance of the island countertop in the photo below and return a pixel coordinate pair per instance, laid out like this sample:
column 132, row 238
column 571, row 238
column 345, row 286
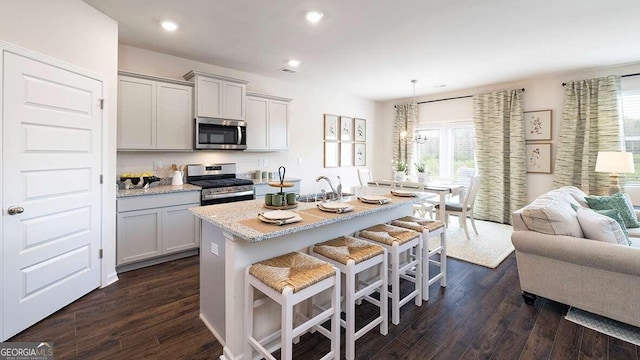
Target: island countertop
column 229, row 216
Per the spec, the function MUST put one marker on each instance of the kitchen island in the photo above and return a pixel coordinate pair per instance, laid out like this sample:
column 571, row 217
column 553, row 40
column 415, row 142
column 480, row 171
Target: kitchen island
column 233, row 238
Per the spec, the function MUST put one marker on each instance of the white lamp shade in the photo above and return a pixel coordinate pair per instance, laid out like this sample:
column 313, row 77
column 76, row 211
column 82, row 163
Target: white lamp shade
column 615, row 162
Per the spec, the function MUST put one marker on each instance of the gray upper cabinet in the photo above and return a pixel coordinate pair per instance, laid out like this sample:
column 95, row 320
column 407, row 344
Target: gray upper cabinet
column 267, row 122
column 218, row 96
column 154, row 113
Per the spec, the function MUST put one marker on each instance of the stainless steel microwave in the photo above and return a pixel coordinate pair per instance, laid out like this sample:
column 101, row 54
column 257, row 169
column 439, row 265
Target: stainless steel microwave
column 220, row 134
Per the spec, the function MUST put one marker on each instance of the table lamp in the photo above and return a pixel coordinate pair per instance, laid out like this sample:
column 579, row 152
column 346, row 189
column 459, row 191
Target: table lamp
column 614, row 162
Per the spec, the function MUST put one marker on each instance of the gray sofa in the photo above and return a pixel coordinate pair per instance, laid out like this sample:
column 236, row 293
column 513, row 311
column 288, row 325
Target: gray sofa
column 555, row 261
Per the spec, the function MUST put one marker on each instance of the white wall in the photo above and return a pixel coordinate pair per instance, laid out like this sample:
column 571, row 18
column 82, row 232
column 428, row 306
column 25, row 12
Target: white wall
column 74, row 32
column 306, row 122
column 542, row 93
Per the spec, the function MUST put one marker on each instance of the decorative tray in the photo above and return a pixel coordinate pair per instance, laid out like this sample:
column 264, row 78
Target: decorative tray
column 280, row 185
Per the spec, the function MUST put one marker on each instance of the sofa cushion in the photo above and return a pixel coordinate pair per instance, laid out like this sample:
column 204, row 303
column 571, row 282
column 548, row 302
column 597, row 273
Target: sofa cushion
column 601, row 227
column 618, row 202
column 577, row 194
column 551, row 213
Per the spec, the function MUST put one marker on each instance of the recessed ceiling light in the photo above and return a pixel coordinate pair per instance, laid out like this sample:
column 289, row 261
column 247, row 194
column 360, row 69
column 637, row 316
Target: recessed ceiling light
column 440, row 86
column 169, row 25
column 293, row 63
column 313, row 16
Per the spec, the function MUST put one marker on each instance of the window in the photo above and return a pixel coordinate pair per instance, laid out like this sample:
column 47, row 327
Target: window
column 631, row 125
column 449, row 147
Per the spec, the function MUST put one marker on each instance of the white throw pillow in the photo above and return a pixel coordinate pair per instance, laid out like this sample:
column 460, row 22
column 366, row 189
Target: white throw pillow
column 552, row 214
column 600, row 227
column 577, row 194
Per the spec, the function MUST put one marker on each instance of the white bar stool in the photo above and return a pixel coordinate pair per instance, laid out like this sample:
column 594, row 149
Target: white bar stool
column 288, row 280
column 352, row 256
column 397, row 241
column 429, row 229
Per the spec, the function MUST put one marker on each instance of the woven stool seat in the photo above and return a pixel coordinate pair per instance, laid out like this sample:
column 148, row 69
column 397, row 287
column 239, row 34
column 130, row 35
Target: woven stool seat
column 417, row 224
column 343, row 249
column 295, row 270
column 387, row 234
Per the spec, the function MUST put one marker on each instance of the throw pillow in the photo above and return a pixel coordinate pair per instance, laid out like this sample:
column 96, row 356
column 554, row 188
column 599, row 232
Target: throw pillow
column 618, row 202
column 577, row 194
column 615, row 215
column 551, row 214
column 600, row 227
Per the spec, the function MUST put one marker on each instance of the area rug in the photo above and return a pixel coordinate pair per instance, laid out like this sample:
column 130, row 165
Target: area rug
column 604, row 325
column 489, row 248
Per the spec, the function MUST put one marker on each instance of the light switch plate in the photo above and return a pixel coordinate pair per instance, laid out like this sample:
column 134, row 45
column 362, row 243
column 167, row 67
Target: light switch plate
column 214, row 248
column 157, row 165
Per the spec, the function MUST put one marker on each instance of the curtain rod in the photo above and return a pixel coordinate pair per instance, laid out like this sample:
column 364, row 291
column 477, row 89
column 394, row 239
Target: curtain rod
column 626, row 75
column 445, row 99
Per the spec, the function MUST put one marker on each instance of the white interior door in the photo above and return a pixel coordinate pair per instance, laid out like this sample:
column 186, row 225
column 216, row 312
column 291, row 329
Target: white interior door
column 51, row 154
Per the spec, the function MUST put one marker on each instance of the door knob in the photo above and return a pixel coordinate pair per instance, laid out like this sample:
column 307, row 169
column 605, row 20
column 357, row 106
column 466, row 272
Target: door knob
column 15, row 210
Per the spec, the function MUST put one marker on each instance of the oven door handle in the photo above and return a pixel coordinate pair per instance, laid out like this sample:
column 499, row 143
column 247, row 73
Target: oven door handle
column 226, row 195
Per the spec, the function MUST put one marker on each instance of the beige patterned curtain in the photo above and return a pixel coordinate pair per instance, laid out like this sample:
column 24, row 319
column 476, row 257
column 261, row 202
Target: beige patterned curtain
column 590, row 123
column 404, row 123
column 499, row 128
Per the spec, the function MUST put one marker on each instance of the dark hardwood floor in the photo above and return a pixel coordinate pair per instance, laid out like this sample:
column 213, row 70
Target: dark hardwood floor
column 152, row 313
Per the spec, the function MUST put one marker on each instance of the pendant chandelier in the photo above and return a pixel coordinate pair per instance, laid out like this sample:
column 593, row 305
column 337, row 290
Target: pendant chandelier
column 417, row 137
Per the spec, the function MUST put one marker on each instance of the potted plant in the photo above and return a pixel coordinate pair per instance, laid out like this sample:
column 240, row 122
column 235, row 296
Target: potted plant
column 400, row 171
column 423, row 175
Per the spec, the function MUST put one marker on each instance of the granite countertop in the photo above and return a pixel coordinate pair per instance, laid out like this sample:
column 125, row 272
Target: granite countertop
column 228, row 216
column 266, row 182
column 161, row 189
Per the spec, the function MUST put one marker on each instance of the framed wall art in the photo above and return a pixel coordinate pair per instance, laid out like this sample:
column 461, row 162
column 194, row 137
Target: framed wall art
column 360, row 130
column 537, row 125
column 346, row 154
column 538, row 158
column 346, row 128
column 331, row 154
column 330, row 127
column 359, row 154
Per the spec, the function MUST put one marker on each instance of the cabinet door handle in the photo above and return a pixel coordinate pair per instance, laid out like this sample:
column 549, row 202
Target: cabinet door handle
column 15, row 210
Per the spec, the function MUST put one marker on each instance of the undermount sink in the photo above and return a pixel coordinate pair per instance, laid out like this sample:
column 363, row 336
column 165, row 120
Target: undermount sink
column 318, row 197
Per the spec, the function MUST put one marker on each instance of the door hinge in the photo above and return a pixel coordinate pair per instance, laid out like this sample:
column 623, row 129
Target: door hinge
column 101, row 103
column 100, row 254
column 101, row 178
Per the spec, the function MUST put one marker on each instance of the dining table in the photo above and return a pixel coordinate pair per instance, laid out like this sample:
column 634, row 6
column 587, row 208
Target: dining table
column 442, row 190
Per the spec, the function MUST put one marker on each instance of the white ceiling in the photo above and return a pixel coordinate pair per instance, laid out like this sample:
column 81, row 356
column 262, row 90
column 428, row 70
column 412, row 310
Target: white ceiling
column 373, row 48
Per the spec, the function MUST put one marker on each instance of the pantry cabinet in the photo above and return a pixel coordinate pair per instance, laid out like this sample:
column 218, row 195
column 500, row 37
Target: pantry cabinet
column 154, row 113
column 151, row 226
column 218, row 96
column 267, row 122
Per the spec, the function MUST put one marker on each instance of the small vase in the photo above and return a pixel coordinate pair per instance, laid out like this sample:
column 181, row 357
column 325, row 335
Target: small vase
column 423, row 178
column 399, row 176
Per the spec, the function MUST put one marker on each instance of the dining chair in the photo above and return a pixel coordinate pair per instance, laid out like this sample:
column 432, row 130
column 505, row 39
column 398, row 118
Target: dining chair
column 364, row 176
column 463, row 177
column 464, row 209
column 420, row 208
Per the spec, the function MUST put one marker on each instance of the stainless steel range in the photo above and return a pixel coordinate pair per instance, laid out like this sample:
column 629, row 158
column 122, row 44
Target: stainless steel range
column 219, row 183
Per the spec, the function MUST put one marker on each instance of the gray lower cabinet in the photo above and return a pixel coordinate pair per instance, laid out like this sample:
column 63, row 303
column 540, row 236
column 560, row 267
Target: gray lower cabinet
column 150, row 226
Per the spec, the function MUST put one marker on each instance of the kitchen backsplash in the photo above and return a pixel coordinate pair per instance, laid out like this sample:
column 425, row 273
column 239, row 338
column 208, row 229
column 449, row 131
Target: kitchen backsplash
column 246, row 162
